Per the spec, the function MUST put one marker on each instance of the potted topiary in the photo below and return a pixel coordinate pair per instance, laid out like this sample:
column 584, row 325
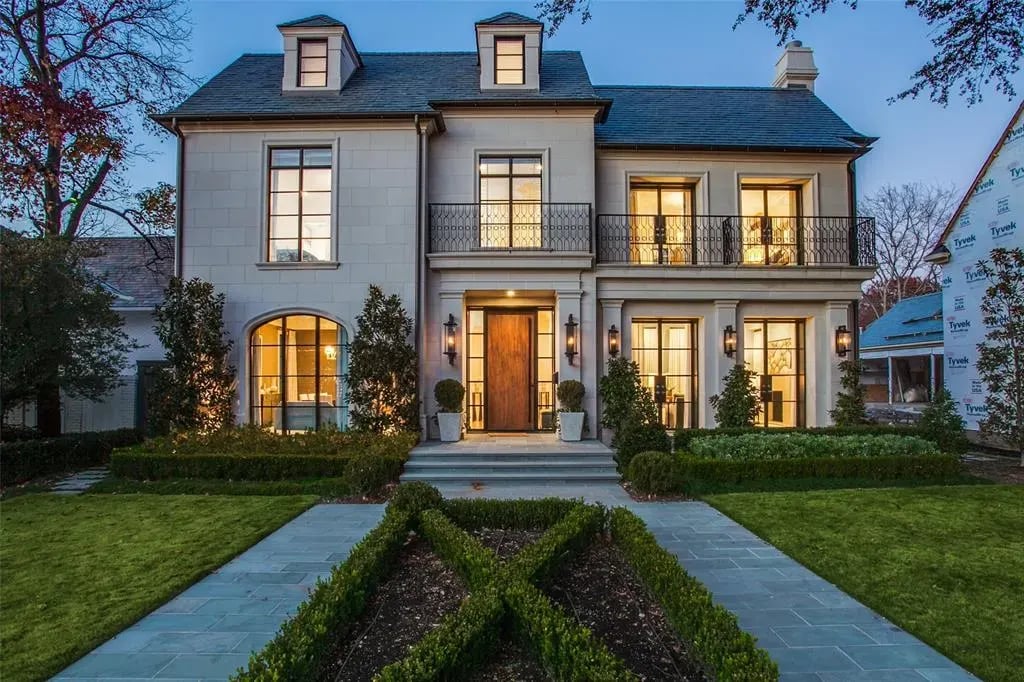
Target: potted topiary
column 570, row 410
column 449, row 394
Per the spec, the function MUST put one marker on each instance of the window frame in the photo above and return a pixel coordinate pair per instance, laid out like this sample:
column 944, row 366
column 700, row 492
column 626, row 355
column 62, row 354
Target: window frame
column 302, row 43
column 521, row 40
column 799, row 369
column 798, row 193
column 268, row 196
column 694, row 353
column 511, row 176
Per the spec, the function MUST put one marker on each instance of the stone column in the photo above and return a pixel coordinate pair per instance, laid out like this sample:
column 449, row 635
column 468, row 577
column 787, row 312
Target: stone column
column 611, row 314
column 567, row 302
column 718, row 364
column 836, row 313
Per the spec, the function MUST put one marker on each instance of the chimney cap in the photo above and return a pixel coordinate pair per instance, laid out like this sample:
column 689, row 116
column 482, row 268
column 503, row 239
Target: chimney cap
column 795, row 43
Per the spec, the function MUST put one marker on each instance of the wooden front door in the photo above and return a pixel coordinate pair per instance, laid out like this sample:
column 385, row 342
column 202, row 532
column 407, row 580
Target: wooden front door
column 509, row 371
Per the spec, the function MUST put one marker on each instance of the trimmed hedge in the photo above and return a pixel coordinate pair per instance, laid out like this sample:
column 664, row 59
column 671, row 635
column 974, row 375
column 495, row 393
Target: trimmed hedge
column 539, row 560
column 24, row 460
column 635, row 438
column 247, row 439
column 729, row 652
column 774, row 446
column 648, row 472
column 251, row 467
column 874, row 468
column 511, row 514
column 477, row 564
column 683, row 437
column 297, row 651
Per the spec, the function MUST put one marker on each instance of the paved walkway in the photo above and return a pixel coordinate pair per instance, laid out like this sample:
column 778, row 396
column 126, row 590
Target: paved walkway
column 813, row 630
column 208, row 631
column 81, row 481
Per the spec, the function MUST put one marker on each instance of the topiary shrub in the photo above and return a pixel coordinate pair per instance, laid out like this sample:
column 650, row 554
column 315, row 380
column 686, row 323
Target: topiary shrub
column 415, row 497
column 850, row 409
column 368, row 473
column 624, row 396
column 739, row 402
column 570, row 395
column 449, row 394
column 943, row 425
column 635, row 437
column 652, row 472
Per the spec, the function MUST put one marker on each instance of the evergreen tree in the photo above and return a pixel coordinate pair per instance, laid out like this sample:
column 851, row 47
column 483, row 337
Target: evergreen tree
column 382, row 367
column 624, row 396
column 197, row 389
column 739, row 404
column 942, row 424
column 850, row 410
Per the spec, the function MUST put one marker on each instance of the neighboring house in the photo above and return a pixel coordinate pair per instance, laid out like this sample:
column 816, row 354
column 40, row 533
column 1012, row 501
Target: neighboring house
column 136, row 272
column 533, row 224
column 902, row 352
column 990, row 216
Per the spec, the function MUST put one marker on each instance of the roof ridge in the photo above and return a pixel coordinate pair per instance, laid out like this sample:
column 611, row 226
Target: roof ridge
column 700, row 87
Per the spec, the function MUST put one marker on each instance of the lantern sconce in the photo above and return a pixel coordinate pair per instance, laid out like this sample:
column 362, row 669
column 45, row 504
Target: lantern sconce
column 844, row 340
column 571, row 338
column 729, row 341
column 613, row 341
column 449, row 338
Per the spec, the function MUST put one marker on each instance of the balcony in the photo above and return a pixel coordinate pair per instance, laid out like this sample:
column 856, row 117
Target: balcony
column 516, row 228
column 735, row 240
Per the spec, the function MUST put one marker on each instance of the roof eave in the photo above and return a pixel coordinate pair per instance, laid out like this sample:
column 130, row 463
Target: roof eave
column 166, row 119
column 784, row 149
column 603, row 104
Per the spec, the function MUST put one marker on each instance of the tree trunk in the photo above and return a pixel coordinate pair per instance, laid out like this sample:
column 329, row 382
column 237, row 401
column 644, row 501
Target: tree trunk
column 48, row 410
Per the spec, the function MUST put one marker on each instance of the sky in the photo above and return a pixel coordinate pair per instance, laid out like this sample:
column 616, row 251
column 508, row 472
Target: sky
column 864, row 57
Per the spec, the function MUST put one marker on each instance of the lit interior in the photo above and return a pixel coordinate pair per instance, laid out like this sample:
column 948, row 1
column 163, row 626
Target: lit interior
column 773, row 350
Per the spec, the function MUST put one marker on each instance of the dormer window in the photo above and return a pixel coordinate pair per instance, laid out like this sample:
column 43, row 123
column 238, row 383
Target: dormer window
column 509, row 60
column 312, row 63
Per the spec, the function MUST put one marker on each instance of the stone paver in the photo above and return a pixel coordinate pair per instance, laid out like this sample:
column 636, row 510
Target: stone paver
column 78, row 483
column 209, row 630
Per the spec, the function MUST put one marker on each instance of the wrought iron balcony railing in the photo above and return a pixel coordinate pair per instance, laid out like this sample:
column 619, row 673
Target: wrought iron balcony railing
column 505, row 226
column 735, row 240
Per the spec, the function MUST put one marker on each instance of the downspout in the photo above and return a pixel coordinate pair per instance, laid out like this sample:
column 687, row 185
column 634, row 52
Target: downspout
column 420, row 284
column 851, row 185
column 179, row 200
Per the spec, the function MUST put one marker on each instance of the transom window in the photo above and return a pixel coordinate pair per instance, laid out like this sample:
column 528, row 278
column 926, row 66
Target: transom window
column 510, row 210
column 312, row 63
column 300, row 205
column 296, row 367
column 509, row 60
column 666, row 352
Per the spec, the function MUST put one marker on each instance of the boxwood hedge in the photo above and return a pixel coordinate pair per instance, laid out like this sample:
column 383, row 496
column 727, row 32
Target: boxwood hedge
column 23, row 460
column 772, row 446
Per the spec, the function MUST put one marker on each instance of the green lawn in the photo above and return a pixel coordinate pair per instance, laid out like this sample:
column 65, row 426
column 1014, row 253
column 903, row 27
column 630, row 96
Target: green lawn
column 77, row 570
column 945, row 563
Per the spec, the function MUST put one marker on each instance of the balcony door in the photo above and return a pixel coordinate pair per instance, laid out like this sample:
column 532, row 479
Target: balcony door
column 510, row 202
column 661, row 223
column 770, row 227
column 666, row 353
column 774, row 351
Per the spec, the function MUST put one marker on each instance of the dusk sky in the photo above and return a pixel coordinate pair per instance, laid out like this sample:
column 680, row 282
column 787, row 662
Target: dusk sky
column 864, row 57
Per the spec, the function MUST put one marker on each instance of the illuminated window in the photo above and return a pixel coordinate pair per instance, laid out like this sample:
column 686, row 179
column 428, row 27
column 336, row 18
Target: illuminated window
column 300, row 205
column 774, row 351
column 312, row 63
column 509, row 60
column 770, row 227
column 666, row 352
column 296, row 368
column 510, row 208
column 661, row 223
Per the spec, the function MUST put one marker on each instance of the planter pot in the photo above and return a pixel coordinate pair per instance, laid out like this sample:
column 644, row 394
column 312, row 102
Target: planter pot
column 450, row 426
column 570, row 425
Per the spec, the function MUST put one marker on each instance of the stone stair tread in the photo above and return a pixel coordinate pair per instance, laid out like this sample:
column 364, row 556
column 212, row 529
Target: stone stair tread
column 533, row 462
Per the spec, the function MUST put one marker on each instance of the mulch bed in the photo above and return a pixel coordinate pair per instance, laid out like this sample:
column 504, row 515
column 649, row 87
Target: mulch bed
column 408, row 604
column 605, row 595
column 506, row 543
column 510, row 663
column 1006, row 470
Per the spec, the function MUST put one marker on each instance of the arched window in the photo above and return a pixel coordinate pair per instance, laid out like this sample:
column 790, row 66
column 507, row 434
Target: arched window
column 297, row 363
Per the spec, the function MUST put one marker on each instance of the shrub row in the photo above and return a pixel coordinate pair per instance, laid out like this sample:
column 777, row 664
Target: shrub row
column 773, row 446
column 250, row 438
column 720, row 644
column 477, row 564
column 683, row 437
column 321, row 487
column 24, row 460
column 297, row 651
column 512, row 514
column 540, row 559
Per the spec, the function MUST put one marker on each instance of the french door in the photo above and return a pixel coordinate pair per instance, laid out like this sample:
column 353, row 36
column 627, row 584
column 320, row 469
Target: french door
column 666, row 352
column 774, row 350
column 771, row 230
column 510, row 202
column 661, row 223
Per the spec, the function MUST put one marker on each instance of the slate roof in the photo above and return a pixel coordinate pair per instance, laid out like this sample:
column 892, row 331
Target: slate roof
column 388, row 83
column 723, row 118
column 130, row 269
column 911, row 321
column 315, row 21
column 509, row 19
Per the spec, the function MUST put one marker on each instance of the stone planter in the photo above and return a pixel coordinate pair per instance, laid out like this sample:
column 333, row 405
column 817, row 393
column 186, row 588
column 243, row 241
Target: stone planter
column 450, row 426
column 570, row 425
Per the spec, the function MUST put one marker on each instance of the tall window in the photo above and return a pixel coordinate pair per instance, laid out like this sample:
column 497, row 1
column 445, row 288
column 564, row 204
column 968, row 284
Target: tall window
column 774, row 351
column 770, row 230
column 312, row 63
column 300, row 205
column 296, row 368
column 510, row 211
column 666, row 351
column 509, row 60
column 661, row 223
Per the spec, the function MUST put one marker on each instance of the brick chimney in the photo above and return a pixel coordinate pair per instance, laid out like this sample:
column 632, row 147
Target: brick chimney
column 795, row 68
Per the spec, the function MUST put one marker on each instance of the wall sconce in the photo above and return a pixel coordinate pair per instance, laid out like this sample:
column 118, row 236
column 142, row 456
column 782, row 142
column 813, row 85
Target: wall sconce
column 613, row 341
column 449, row 338
column 571, row 338
column 330, row 352
column 844, row 340
column 729, row 341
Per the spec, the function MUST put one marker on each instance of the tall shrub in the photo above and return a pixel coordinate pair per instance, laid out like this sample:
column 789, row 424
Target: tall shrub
column 739, row 403
column 1001, row 355
column 624, row 396
column 196, row 391
column 382, row 367
column 850, row 409
column 943, row 425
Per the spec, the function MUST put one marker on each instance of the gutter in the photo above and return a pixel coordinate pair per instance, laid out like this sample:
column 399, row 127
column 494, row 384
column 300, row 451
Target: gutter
column 179, row 200
column 169, row 121
column 636, row 147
